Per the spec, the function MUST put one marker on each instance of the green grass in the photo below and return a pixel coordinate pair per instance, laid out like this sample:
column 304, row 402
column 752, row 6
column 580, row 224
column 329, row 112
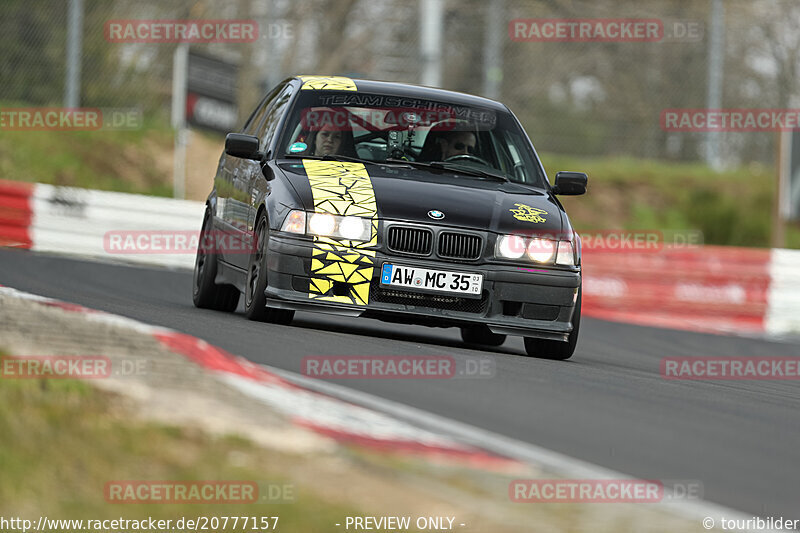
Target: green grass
column 61, row 441
column 731, row 208
column 114, row 160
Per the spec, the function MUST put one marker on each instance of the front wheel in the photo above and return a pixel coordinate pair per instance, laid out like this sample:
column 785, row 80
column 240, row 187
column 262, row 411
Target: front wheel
column 558, row 350
column 205, row 293
column 255, row 301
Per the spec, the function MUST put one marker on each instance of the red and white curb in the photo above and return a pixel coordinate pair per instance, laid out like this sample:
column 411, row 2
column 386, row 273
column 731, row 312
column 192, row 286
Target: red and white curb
column 355, row 417
column 322, row 413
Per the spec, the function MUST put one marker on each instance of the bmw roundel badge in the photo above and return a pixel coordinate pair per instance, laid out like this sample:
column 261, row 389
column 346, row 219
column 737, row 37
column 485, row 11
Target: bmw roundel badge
column 435, row 214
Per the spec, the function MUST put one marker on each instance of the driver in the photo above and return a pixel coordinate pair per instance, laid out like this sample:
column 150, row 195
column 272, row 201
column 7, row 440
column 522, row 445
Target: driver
column 327, row 141
column 455, row 143
column 325, row 132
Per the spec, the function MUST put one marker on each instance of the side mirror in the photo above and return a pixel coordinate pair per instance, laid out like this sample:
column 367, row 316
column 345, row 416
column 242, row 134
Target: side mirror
column 241, row 145
column 570, row 183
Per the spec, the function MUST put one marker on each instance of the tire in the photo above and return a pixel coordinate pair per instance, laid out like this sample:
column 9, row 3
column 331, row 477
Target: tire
column 481, row 335
column 255, row 301
column 205, row 293
column 557, row 350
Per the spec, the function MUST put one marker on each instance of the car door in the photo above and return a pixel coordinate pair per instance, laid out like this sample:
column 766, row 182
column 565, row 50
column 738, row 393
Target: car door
column 258, row 186
column 232, row 192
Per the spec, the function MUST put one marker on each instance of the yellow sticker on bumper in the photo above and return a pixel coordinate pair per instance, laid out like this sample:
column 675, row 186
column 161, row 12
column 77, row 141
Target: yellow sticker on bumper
column 328, row 83
column 341, row 188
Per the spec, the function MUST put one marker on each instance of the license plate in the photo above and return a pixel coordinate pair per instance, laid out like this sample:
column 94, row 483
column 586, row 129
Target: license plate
column 433, row 280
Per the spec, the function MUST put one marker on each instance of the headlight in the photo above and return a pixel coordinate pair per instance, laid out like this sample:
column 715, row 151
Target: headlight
column 535, row 249
column 510, row 246
column 322, row 224
column 566, row 254
column 295, row 222
column 353, row 228
column 541, row 250
column 327, row 225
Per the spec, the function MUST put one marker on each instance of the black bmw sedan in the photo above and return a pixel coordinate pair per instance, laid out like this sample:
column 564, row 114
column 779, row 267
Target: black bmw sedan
column 396, row 202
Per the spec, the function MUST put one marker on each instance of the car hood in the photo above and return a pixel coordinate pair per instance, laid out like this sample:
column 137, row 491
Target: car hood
column 403, row 194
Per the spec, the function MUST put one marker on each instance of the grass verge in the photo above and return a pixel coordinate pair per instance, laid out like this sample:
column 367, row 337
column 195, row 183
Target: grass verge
column 61, row 441
column 732, row 208
column 134, row 161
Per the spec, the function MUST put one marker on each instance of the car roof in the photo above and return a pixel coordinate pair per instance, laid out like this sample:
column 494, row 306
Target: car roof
column 414, row 91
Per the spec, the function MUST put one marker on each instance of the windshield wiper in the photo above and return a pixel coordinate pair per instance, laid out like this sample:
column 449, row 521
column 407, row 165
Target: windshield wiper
column 331, row 157
column 470, row 170
column 438, row 165
column 441, row 165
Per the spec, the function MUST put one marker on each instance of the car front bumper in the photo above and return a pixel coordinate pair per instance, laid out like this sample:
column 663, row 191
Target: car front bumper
column 530, row 300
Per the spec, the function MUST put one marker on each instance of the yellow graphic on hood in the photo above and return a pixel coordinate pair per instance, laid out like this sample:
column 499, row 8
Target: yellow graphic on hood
column 329, row 83
column 527, row 213
column 342, row 188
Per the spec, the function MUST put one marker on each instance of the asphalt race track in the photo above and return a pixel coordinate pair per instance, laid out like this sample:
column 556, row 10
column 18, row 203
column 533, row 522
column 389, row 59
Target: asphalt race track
column 608, row 405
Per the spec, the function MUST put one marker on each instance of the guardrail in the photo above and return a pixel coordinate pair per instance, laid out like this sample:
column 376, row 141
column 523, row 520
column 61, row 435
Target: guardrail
column 702, row 288
column 705, row 288
column 76, row 221
column 15, row 214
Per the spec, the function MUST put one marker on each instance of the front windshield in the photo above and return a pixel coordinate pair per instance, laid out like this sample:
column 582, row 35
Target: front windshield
column 382, row 128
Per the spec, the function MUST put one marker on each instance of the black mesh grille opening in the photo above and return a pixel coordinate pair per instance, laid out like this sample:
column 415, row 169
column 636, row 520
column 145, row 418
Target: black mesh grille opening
column 459, row 245
column 540, row 312
column 416, row 241
column 433, row 301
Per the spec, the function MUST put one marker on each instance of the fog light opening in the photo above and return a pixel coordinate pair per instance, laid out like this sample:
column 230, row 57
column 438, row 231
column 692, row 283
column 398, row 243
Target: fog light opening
column 340, row 288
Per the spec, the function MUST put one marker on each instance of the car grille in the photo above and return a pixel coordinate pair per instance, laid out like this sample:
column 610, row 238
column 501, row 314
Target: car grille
column 382, row 294
column 407, row 240
column 459, row 246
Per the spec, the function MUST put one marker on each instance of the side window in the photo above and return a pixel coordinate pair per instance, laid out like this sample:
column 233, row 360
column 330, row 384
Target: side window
column 524, row 167
column 258, row 115
column 275, row 110
column 507, row 155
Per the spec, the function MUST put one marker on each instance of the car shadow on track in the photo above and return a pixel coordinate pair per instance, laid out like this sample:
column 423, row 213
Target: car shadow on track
column 417, row 336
